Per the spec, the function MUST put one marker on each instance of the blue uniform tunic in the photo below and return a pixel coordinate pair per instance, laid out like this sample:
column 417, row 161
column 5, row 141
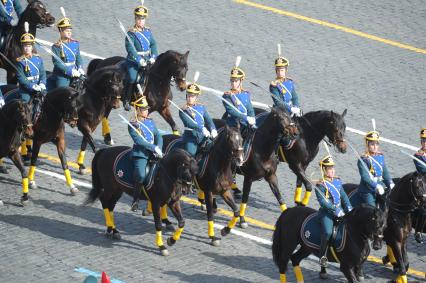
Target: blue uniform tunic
column 69, row 52
column 6, row 12
column 194, row 124
column 31, row 72
column 332, row 200
column 421, row 155
column 143, row 147
column 380, row 175
column 146, row 48
column 241, row 100
column 284, row 94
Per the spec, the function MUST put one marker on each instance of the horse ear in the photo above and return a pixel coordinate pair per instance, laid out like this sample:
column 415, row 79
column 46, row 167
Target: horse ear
column 344, row 112
column 185, row 56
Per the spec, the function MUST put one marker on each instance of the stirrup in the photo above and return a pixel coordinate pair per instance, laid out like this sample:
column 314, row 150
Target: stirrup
column 323, row 261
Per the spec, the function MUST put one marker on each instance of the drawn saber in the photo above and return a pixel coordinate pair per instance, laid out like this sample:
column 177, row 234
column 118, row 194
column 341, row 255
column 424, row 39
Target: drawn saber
column 11, row 64
column 414, row 158
column 51, row 53
column 218, row 94
column 181, row 110
column 131, row 126
column 123, row 29
column 360, row 159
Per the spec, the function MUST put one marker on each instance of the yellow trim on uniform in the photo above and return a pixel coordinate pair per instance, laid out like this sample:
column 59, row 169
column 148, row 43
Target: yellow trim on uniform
column 210, row 227
column 80, row 158
column 159, row 238
column 283, row 278
column 107, row 218
column 333, row 253
column 31, row 173
column 178, row 232
column 68, row 179
column 306, row 198
column 283, row 207
column 298, row 273
column 176, row 133
column 25, row 185
column 298, row 195
column 243, row 207
column 105, row 127
column 111, row 217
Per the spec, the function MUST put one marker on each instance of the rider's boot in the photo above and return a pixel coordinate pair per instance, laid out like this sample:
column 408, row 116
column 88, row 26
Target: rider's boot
column 323, row 251
column 128, row 96
column 136, row 196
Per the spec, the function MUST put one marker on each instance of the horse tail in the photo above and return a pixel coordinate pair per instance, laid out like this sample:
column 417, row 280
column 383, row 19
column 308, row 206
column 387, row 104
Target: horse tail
column 280, row 254
column 96, row 180
column 92, row 66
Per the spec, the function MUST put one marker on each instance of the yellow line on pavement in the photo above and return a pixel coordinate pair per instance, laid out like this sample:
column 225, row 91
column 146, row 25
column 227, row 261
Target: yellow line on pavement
column 230, row 214
column 330, row 25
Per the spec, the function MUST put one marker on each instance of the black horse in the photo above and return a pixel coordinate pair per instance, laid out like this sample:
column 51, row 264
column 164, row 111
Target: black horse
column 15, row 126
column 222, row 156
column 408, row 194
column 168, row 65
column 362, row 223
column 103, row 90
column 37, row 16
column 261, row 161
column 60, row 106
column 313, row 127
column 172, row 179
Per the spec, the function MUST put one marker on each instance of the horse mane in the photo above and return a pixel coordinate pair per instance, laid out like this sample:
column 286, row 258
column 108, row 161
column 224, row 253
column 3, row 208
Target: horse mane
column 360, row 212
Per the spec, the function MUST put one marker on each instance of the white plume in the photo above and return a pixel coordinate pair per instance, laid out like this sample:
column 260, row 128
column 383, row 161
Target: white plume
column 63, row 12
column 327, row 148
column 238, row 61
column 279, row 49
column 139, row 89
column 142, row 1
column 373, row 121
column 26, row 27
column 196, row 76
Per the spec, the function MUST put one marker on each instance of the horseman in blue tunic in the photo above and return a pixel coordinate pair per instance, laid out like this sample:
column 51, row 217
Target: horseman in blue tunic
column 333, row 201
column 198, row 124
column 148, row 143
column 141, row 50
column 6, row 15
column 68, row 50
column 283, row 89
column 421, row 168
column 373, row 170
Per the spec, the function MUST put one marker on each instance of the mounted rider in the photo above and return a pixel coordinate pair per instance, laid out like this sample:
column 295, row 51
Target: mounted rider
column 283, row 88
column 333, row 201
column 141, row 50
column 148, row 143
column 373, row 170
column 421, row 168
column 198, row 124
column 6, row 16
column 68, row 50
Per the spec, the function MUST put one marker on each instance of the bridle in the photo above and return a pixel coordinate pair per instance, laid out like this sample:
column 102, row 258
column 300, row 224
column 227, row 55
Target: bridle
column 413, row 205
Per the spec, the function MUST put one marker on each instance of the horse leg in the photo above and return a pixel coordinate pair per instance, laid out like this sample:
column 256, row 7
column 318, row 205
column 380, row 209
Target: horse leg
column 229, row 199
column 165, row 113
column 201, row 195
column 113, row 201
column 215, row 241
column 273, row 184
column 158, row 234
column 308, row 188
column 17, row 160
column 36, row 149
column 298, row 191
column 26, row 151
column 60, row 146
column 244, row 200
column 3, row 168
column 80, row 159
column 106, row 130
column 400, row 264
column 296, row 258
column 165, row 220
column 177, row 212
column 405, row 255
column 349, row 273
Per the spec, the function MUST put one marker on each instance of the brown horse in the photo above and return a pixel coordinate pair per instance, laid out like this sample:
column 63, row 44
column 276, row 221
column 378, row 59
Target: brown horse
column 170, row 65
column 37, row 16
column 15, row 126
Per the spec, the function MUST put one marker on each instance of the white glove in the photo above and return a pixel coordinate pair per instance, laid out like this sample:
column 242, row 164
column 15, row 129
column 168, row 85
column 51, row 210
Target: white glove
column 391, row 185
column 151, row 60
column 81, row 71
column 251, row 120
column 341, row 213
column 206, row 132
column 379, row 189
column 142, row 62
column 158, row 151
column 295, row 111
column 75, row 73
column 2, row 103
column 36, row 88
column 213, row 133
column 42, row 86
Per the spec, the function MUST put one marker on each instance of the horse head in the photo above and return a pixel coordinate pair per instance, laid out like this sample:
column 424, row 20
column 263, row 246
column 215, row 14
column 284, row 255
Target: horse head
column 179, row 67
column 36, row 14
column 234, row 142
column 286, row 124
column 335, row 130
column 20, row 114
column 186, row 169
column 418, row 188
column 107, row 83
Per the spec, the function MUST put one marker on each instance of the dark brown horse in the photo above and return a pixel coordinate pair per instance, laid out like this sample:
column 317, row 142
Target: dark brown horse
column 170, row 65
column 172, row 179
column 313, row 128
column 103, row 90
column 15, row 126
column 223, row 155
column 60, row 106
column 37, row 16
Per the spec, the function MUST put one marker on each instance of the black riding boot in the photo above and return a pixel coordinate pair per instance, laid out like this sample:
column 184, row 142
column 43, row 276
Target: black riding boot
column 136, row 196
column 323, row 252
column 128, row 96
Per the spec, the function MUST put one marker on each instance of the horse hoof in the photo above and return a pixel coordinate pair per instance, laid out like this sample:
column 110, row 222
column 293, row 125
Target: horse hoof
column 73, row 190
column 32, row 185
column 82, row 171
column 360, row 278
column 225, row 231
column 145, row 212
column 134, row 207
column 25, row 200
column 164, row 251
column 243, row 225
column 323, row 275
column 215, row 241
column 385, row 260
column 108, row 234
column 214, row 210
column 116, row 235
column 3, row 170
column 171, row 241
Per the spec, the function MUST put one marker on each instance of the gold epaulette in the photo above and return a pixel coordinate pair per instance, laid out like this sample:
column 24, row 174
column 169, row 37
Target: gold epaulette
column 420, row 152
column 19, row 59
